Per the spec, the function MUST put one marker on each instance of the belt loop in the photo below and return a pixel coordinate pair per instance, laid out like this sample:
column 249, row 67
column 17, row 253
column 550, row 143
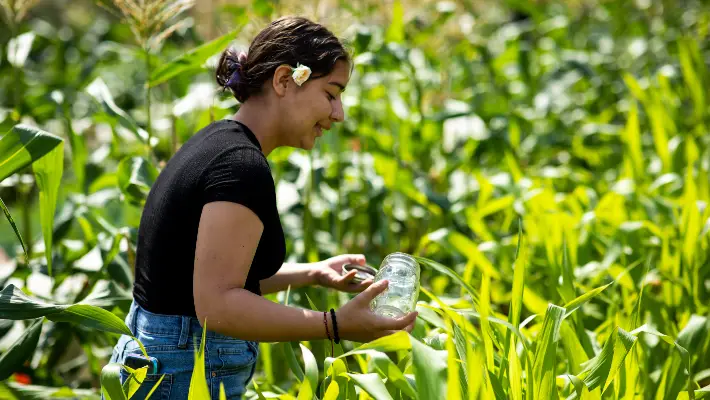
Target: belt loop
column 184, row 332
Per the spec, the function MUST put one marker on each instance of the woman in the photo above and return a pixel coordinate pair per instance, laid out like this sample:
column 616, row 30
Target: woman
column 210, row 242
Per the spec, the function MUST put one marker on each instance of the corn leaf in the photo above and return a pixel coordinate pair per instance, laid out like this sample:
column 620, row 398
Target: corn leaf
column 429, row 370
column 546, row 353
column 199, row 388
column 48, row 174
column 14, row 226
column 22, row 146
column 600, row 371
column 372, row 384
column 111, row 382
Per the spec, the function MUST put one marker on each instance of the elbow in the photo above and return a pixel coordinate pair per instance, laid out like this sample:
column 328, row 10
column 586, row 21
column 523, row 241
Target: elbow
column 209, row 307
column 202, row 310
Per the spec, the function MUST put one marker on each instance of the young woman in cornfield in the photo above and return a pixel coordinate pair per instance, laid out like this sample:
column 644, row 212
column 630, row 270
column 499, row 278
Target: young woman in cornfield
column 211, row 243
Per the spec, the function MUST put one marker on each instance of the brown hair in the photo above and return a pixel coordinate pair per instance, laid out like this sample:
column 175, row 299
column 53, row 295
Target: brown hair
column 287, row 40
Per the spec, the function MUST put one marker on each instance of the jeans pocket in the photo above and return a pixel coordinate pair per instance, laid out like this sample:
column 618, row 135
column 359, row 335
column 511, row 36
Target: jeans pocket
column 235, row 358
column 162, row 392
column 236, row 367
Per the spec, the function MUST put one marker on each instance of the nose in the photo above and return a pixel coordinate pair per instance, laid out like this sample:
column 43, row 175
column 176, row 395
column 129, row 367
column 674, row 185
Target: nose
column 337, row 114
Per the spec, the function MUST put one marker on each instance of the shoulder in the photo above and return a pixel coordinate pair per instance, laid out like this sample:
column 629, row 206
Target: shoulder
column 237, row 149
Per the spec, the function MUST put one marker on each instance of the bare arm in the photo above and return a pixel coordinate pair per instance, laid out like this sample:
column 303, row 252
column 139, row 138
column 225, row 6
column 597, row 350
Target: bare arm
column 295, row 274
column 227, row 239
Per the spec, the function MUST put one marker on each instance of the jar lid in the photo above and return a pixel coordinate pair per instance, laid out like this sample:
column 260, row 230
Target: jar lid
column 364, row 272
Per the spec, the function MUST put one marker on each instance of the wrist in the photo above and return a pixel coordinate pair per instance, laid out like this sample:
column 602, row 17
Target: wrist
column 314, row 273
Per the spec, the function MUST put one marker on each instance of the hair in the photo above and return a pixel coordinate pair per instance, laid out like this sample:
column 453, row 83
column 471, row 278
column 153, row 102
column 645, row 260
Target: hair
column 287, row 40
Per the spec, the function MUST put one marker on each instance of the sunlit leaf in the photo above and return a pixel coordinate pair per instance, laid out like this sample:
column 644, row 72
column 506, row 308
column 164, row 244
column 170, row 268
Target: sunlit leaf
column 48, row 175
column 22, row 146
column 191, row 61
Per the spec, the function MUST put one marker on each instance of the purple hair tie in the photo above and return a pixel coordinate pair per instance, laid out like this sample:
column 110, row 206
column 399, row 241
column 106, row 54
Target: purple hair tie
column 236, row 76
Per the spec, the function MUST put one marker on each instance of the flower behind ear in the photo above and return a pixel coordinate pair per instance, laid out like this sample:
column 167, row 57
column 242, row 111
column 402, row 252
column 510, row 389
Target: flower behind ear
column 301, row 74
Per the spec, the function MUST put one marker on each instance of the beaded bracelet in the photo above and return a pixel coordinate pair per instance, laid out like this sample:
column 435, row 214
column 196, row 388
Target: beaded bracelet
column 325, row 322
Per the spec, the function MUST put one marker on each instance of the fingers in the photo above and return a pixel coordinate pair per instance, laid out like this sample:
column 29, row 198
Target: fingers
column 348, row 278
column 399, row 323
column 372, row 291
column 353, row 258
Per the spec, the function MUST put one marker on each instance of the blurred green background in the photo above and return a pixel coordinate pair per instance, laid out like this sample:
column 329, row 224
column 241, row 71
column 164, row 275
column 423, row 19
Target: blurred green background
column 581, row 123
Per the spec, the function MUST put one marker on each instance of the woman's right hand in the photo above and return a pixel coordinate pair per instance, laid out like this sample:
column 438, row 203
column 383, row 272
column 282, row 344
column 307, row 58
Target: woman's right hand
column 356, row 322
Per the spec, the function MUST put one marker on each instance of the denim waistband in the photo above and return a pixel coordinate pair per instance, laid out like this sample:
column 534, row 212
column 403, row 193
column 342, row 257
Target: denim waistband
column 179, row 326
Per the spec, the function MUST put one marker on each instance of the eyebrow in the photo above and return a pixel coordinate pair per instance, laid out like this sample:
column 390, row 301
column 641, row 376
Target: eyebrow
column 340, row 85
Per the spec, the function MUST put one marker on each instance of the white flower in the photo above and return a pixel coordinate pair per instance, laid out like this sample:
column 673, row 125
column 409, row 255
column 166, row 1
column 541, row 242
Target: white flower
column 301, row 74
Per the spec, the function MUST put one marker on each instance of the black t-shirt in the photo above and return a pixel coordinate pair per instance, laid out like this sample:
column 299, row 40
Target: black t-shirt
column 222, row 162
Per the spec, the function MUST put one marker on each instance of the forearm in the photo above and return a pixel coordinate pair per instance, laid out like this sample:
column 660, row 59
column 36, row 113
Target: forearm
column 296, row 275
column 241, row 314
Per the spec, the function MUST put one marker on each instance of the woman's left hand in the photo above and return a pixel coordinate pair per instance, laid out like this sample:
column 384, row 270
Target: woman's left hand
column 329, row 273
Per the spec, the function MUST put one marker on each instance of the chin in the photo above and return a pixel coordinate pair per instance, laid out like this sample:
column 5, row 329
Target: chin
column 308, row 144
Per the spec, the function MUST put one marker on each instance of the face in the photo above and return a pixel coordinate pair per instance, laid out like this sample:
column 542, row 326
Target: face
column 312, row 109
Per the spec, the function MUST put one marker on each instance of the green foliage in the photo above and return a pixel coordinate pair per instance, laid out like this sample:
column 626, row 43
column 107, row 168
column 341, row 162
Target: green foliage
column 548, row 164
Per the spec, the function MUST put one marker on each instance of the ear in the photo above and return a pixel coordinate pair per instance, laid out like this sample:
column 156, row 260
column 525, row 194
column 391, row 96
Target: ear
column 281, row 79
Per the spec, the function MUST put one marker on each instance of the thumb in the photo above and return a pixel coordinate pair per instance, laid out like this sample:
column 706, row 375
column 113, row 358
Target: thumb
column 372, row 291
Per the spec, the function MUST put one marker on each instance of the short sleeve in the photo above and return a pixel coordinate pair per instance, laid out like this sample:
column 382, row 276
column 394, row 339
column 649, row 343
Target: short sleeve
column 240, row 176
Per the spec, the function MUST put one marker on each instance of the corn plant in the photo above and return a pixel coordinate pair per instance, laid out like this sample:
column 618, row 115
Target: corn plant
column 546, row 162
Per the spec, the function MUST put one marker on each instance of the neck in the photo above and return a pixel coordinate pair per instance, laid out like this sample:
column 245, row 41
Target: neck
column 257, row 115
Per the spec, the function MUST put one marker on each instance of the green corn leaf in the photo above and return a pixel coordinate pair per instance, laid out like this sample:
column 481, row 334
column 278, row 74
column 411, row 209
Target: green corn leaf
column 136, row 175
column 101, row 93
column 134, row 381
column 16, row 305
column 92, row 317
column 311, row 367
column 453, row 386
column 388, row 369
column 305, row 390
column 600, row 371
column 291, row 360
column 515, row 372
column 111, row 382
column 372, row 384
column 19, row 391
column 21, row 350
column 193, row 60
column 14, row 227
column 429, row 370
column 48, row 174
column 222, row 393
column 332, row 392
column 516, row 306
column 574, row 350
column 199, row 389
column 631, row 135
column 486, row 333
column 22, row 146
column 450, row 273
column 399, row 340
column 693, row 83
column 545, row 355
column 573, row 305
column 395, row 32
column 702, row 393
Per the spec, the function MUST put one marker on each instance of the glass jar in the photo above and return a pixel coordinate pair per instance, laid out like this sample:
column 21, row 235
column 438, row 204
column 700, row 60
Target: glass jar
column 400, row 298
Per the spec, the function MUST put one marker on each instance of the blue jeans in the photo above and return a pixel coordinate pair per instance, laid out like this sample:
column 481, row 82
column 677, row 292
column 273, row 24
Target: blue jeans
column 173, row 340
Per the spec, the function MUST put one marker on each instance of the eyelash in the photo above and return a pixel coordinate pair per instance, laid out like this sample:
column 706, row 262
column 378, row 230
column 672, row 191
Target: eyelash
column 330, row 96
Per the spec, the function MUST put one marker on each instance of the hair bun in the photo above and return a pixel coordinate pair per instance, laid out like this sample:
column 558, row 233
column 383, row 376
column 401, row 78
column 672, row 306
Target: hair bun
column 230, row 72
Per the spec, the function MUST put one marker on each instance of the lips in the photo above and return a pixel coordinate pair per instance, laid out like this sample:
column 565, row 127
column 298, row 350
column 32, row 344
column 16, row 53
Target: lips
column 319, row 130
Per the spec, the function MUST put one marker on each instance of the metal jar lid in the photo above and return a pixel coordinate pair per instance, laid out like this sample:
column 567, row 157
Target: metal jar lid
column 364, row 272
